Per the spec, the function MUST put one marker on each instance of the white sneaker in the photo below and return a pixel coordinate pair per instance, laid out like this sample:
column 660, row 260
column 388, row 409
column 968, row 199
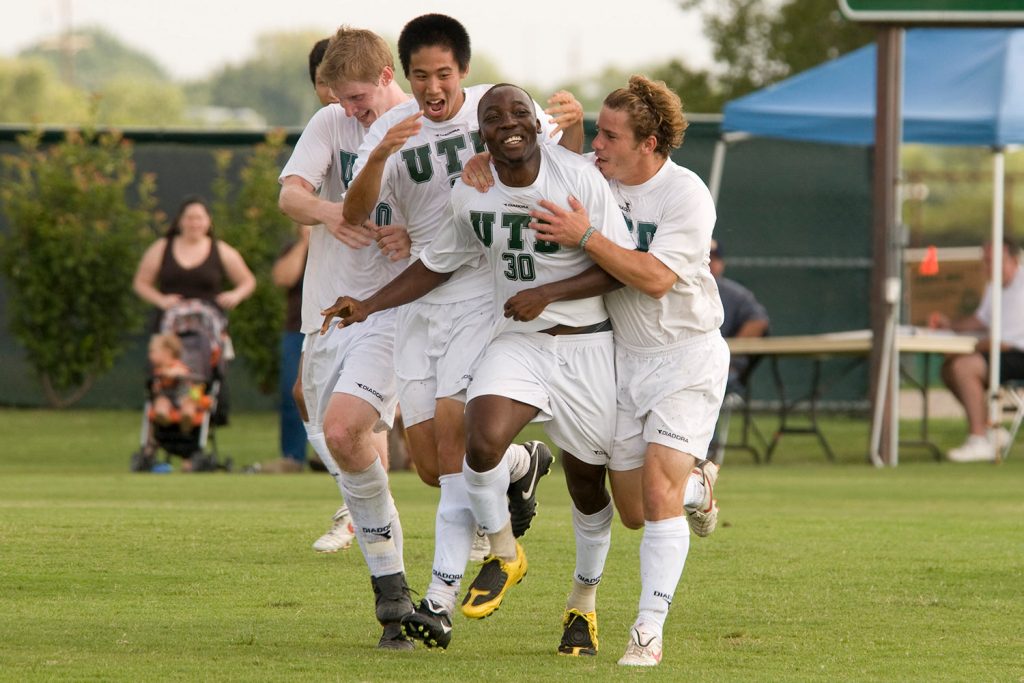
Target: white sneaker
column 975, row 449
column 644, row 648
column 703, row 518
column 340, row 535
column 481, row 547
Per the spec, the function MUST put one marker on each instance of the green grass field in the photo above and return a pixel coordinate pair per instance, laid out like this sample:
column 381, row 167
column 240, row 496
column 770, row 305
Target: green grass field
column 818, row 571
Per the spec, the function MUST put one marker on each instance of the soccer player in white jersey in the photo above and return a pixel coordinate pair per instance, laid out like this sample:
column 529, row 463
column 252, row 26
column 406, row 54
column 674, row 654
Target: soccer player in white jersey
column 348, row 375
column 413, row 153
column 550, row 358
column 671, row 361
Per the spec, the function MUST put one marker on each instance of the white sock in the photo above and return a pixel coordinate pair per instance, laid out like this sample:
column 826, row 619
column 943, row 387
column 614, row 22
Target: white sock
column 374, row 517
column 662, row 556
column 593, row 538
column 487, row 496
column 517, row 458
column 693, row 495
column 396, row 528
column 454, row 528
column 315, row 434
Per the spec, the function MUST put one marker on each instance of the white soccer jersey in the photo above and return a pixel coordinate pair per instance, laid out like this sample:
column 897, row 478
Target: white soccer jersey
column 670, row 216
column 324, row 157
column 420, row 176
column 495, row 225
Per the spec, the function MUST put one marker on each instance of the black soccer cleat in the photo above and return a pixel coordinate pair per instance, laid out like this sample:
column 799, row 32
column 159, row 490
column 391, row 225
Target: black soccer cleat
column 522, row 493
column 429, row 624
column 392, row 599
column 394, row 638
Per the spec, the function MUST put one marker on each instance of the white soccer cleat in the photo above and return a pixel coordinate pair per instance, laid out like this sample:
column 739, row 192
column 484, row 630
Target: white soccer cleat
column 703, row 518
column 481, row 547
column 340, row 535
column 644, row 648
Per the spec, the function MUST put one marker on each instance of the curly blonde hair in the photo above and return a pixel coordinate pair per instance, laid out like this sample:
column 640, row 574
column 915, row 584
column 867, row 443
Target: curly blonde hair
column 653, row 109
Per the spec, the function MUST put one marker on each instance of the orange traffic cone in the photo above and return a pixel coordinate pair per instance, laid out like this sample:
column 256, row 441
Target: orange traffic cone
column 930, row 262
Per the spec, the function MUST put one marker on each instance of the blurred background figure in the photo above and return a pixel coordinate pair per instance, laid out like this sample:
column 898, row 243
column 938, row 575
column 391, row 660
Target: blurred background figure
column 966, row 375
column 189, row 262
column 744, row 316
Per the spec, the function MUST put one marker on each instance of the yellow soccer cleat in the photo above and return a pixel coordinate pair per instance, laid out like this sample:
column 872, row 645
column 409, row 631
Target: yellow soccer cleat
column 579, row 634
column 490, row 585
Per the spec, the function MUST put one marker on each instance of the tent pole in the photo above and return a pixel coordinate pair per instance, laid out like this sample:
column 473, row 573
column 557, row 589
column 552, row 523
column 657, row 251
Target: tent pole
column 996, row 328
column 888, row 133
column 717, row 164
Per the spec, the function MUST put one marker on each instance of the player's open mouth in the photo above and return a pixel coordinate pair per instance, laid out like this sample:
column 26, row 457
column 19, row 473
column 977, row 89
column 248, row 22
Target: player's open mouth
column 512, row 140
column 435, row 107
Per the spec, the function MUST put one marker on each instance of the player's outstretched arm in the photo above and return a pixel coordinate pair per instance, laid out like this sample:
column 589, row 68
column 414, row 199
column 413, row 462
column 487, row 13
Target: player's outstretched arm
column 530, row 303
column 364, row 190
column 411, row 284
column 299, row 201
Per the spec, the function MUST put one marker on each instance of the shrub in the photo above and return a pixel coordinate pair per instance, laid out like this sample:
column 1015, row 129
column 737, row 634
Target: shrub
column 248, row 219
column 79, row 220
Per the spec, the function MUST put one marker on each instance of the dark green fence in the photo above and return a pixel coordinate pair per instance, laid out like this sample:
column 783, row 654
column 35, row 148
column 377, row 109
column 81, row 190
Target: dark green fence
column 794, row 218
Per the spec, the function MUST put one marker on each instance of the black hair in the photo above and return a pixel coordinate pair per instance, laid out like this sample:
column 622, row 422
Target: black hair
column 431, row 30
column 188, row 200
column 316, row 55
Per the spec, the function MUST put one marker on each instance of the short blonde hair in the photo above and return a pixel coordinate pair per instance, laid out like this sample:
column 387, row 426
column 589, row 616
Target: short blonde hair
column 653, row 109
column 168, row 341
column 355, row 55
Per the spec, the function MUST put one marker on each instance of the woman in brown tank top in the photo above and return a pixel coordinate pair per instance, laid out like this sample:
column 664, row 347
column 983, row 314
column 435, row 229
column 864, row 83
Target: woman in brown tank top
column 191, row 263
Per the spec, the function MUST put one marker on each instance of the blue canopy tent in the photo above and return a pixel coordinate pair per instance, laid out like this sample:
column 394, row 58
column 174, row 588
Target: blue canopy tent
column 960, row 87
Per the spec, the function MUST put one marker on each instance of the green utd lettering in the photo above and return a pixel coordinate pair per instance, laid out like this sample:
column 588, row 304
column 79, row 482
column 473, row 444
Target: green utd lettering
column 446, row 150
column 348, row 162
column 644, row 233
column 519, row 263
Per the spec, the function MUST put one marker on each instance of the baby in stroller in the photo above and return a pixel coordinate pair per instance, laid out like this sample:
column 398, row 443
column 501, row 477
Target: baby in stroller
column 177, row 398
column 187, row 363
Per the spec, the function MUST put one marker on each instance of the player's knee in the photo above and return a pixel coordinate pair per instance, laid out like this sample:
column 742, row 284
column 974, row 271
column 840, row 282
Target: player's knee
column 631, row 516
column 345, row 440
column 483, row 450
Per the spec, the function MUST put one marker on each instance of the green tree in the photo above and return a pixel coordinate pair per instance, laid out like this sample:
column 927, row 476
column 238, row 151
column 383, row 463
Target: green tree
column 79, row 219
column 92, row 56
column 31, row 93
column 275, row 83
column 247, row 217
column 757, row 44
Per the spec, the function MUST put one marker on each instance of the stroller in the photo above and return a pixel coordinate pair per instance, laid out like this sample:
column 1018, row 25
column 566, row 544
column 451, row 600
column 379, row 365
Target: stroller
column 206, row 347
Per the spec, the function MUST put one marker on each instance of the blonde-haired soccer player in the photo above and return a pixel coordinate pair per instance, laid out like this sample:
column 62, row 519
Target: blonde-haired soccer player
column 671, row 361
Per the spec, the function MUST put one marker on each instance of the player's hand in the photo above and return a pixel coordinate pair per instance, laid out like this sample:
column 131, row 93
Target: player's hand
column 477, row 172
column 398, row 135
column 526, row 304
column 394, row 241
column 349, row 311
column 354, row 236
column 565, row 111
column 555, row 224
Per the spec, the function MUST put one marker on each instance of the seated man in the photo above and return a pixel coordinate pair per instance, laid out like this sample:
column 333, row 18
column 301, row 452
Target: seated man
column 744, row 316
column 966, row 375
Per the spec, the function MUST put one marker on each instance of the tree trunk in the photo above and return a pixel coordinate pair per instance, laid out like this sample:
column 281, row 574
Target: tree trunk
column 58, row 401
